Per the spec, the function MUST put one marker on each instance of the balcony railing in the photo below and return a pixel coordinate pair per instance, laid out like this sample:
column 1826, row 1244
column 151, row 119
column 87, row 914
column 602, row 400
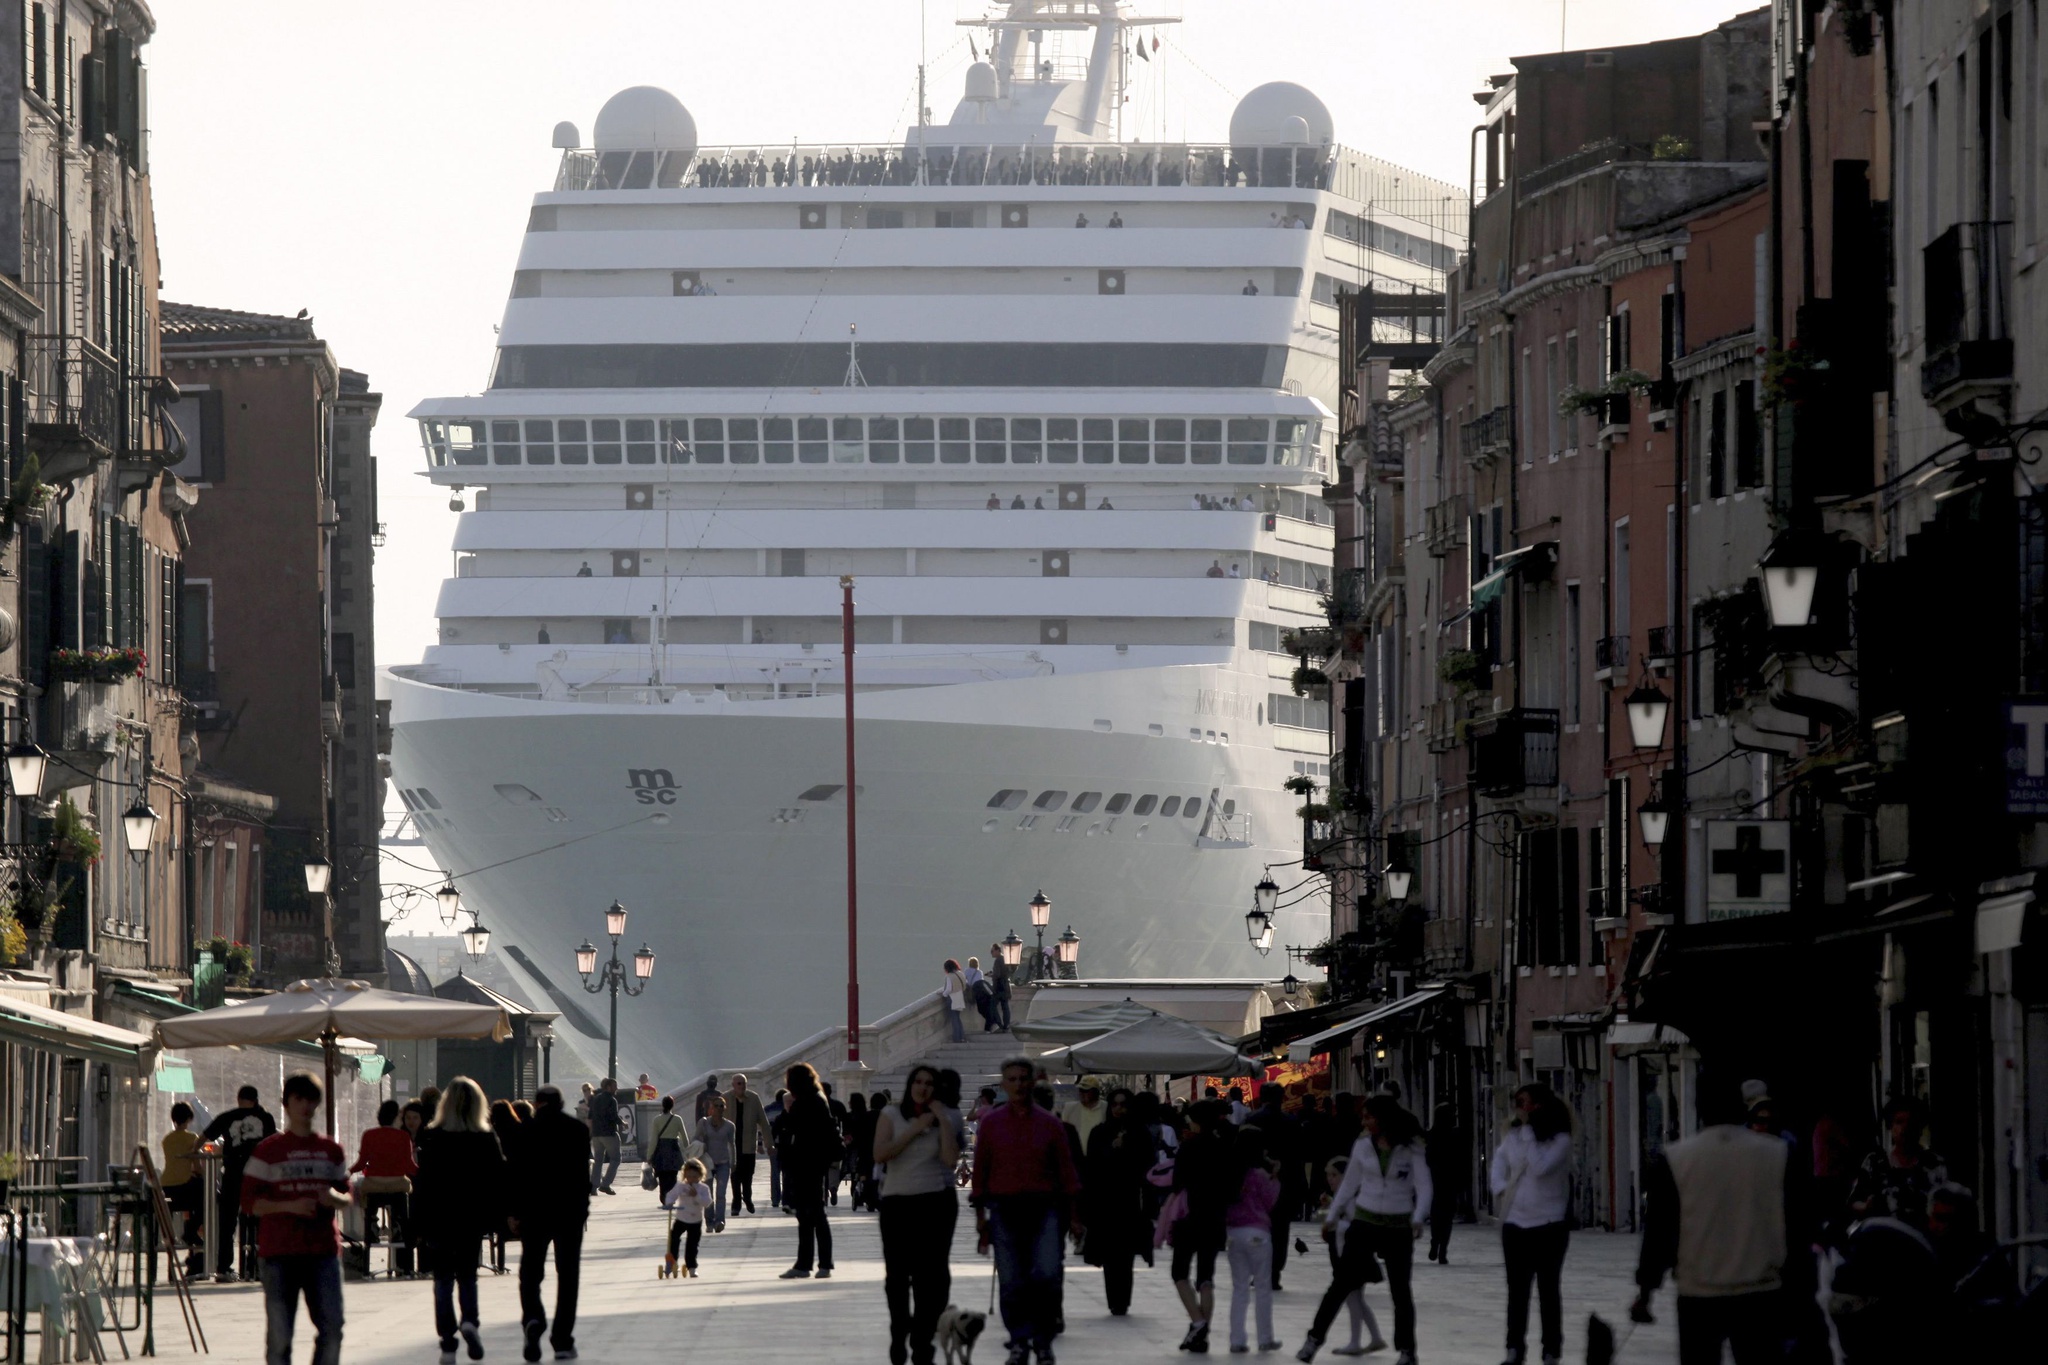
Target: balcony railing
column 1967, row 281
column 1444, row 525
column 1486, row 436
column 1610, row 655
column 1514, row 751
column 1440, row 726
column 73, row 398
column 1662, row 647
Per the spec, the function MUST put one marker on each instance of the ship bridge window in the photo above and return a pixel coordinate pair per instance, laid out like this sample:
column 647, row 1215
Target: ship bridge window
column 1146, row 805
column 640, row 443
column 1134, row 441
column 988, row 440
column 516, row 794
column 575, row 440
column 919, row 447
column 1206, row 441
column 426, row 798
column 883, row 445
column 504, row 443
column 849, row 445
column 1025, row 445
column 1086, row 802
column 811, row 444
column 1052, row 800
column 1117, row 804
column 707, row 440
column 1009, row 798
column 1170, row 806
column 1062, row 440
column 745, row 443
column 540, row 442
column 1098, row 436
column 605, row 446
column 466, row 442
column 1248, row 440
column 1292, row 439
column 778, row 440
column 953, row 444
column 1170, row 441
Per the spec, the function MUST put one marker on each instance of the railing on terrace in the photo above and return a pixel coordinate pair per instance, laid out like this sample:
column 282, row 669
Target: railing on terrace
column 1486, row 435
column 1610, row 654
column 1444, row 525
column 949, row 159
column 1513, row 751
column 72, row 393
column 1967, row 282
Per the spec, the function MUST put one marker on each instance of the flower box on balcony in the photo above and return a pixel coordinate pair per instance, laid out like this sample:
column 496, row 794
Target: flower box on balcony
column 97, row 665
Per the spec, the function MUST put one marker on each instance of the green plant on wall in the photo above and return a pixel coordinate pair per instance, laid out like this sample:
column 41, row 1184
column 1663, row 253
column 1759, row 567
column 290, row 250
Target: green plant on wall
column 1463, row 669
column 71, row 837
column 13, row 937
column 1306, row 677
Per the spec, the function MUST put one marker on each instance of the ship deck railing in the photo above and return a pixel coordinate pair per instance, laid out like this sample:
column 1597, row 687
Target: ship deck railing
column 950, row 158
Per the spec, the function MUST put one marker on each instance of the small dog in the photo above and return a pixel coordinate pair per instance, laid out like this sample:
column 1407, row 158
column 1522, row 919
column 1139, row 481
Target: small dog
column 959, row 1328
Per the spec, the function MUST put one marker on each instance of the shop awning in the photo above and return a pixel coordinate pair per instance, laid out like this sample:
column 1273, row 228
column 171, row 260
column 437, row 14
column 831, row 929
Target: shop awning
column 1487, row 591
column 72, row 1035
column 1332, row 1037
column 2001, row 920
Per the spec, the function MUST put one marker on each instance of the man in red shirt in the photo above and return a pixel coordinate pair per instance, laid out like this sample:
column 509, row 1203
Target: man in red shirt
column 294, row 1182
column 1024, row 1188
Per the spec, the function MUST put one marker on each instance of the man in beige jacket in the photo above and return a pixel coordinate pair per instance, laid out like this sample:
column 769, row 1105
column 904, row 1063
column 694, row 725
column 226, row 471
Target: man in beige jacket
column 743, row 1107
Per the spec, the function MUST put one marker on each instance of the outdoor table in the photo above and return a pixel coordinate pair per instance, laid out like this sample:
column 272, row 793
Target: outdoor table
column 51, row 1261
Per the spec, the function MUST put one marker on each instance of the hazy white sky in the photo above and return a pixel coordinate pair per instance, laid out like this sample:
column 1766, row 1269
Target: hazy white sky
column 372, row 161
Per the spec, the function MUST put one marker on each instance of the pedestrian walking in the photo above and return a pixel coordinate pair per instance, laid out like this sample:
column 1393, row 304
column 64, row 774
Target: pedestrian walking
column 1120, row 1155
column 550, row 1185
column 954, row 992
column 705, row 1096
column 720, row 1140
column 689, row 1204
column 1716, row 1216
column 504, row 1125
column 750, row 1120
column 386, row 1165
column 1895, row 1180
column 1355, row 1306
column 809, row 1145
column 998, row 1020
column 1531, row 1179
column 1450, row 1163
column 859, row 1147
column 1248, row 1232
column 462, row 1186
column 1084, row 1114
column 236, row 1135
column 978, row 992
column 1205, row 1183
column 292, row 1183
column 184, row 1191
column 668, row 1137
column 919, row 1142
column 1386, row 1192
column 1283, row 1150
column 772, row 1112
column 1024, row 1186
column 604, row 1137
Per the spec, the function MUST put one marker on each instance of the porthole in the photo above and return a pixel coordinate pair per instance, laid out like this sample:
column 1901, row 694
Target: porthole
column 1191, row 807
column 1117, row 804
column 1052, row 800
column 1169, row 807
column 1146, row 805
column 1009, row 798
column 1086, row 802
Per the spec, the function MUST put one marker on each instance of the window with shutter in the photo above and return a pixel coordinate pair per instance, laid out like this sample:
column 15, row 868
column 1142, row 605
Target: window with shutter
column 35, row 602
column 68, row 597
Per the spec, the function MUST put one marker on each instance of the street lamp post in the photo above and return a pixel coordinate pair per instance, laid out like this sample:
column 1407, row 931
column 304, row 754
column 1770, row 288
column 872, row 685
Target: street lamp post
column 319, row 876
column 1041, row 915
column 1068, row 946
column 612, row 977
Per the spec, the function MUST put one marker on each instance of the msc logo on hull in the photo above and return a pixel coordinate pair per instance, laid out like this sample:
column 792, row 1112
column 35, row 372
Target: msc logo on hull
column 652, row 786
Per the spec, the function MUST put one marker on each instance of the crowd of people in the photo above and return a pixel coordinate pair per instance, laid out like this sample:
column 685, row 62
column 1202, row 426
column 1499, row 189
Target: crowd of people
column 1751, row 1220
column 1300, row 168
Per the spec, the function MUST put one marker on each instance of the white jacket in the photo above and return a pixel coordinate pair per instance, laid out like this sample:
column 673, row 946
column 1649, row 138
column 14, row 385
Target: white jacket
column 1403, row 1190
column 1541, row 1173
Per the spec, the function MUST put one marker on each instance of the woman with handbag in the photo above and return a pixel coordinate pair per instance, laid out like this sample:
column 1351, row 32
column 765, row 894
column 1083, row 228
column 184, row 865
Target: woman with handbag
column 1386, row 1193
column 954, row 993
column 461, row 1199
column 1531, row 1179
column 386, row 1165
column 920, row 1143
column 665, row 1158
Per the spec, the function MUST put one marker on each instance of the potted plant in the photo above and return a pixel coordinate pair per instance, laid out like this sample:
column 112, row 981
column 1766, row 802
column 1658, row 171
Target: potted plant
column 240, row 960
column 97, row 665
column 1300, row 786
column 71, row 837
column 13, row 937
column 1463, row 669
column 1307, row 679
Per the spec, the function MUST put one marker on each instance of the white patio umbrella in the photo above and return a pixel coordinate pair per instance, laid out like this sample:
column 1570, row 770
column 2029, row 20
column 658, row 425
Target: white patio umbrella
column 1160, row 1045
column 325, row 1009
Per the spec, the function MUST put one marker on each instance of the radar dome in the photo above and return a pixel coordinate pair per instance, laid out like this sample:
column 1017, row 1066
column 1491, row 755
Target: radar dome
column 1263, row 117
column 644, row 119
column 566, row 136
column 981, row 81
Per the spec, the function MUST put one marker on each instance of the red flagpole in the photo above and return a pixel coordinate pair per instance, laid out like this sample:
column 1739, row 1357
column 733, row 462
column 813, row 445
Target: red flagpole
column 852, row 858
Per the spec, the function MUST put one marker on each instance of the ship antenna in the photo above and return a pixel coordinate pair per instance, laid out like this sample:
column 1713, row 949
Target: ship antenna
column 854, row 378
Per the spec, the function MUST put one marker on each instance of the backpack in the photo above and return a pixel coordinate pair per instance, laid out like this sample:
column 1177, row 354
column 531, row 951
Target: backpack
column 981, row 993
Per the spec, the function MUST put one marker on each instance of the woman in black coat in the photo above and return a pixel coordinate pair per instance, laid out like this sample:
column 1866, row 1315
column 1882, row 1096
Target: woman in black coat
column 1120, row 1154
column 458, row 1200
column 807, row 1144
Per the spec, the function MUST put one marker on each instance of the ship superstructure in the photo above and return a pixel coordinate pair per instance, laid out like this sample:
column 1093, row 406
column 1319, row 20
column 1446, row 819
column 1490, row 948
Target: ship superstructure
column 1061, row 405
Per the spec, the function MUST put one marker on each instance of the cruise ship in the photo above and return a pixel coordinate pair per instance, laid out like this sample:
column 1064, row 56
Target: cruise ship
column 1061, row 405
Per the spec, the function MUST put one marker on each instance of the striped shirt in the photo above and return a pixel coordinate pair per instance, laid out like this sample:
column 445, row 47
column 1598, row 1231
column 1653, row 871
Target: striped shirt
column 285, row 1166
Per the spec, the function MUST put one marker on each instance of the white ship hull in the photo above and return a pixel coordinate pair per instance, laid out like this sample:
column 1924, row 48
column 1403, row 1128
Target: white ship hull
column 738, row 883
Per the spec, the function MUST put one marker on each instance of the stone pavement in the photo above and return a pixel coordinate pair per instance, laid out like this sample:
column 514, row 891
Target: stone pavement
column 740, row 1311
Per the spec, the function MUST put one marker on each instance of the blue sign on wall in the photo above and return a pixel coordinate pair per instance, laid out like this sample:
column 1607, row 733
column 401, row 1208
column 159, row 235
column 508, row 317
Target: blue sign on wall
column 2026, row 756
